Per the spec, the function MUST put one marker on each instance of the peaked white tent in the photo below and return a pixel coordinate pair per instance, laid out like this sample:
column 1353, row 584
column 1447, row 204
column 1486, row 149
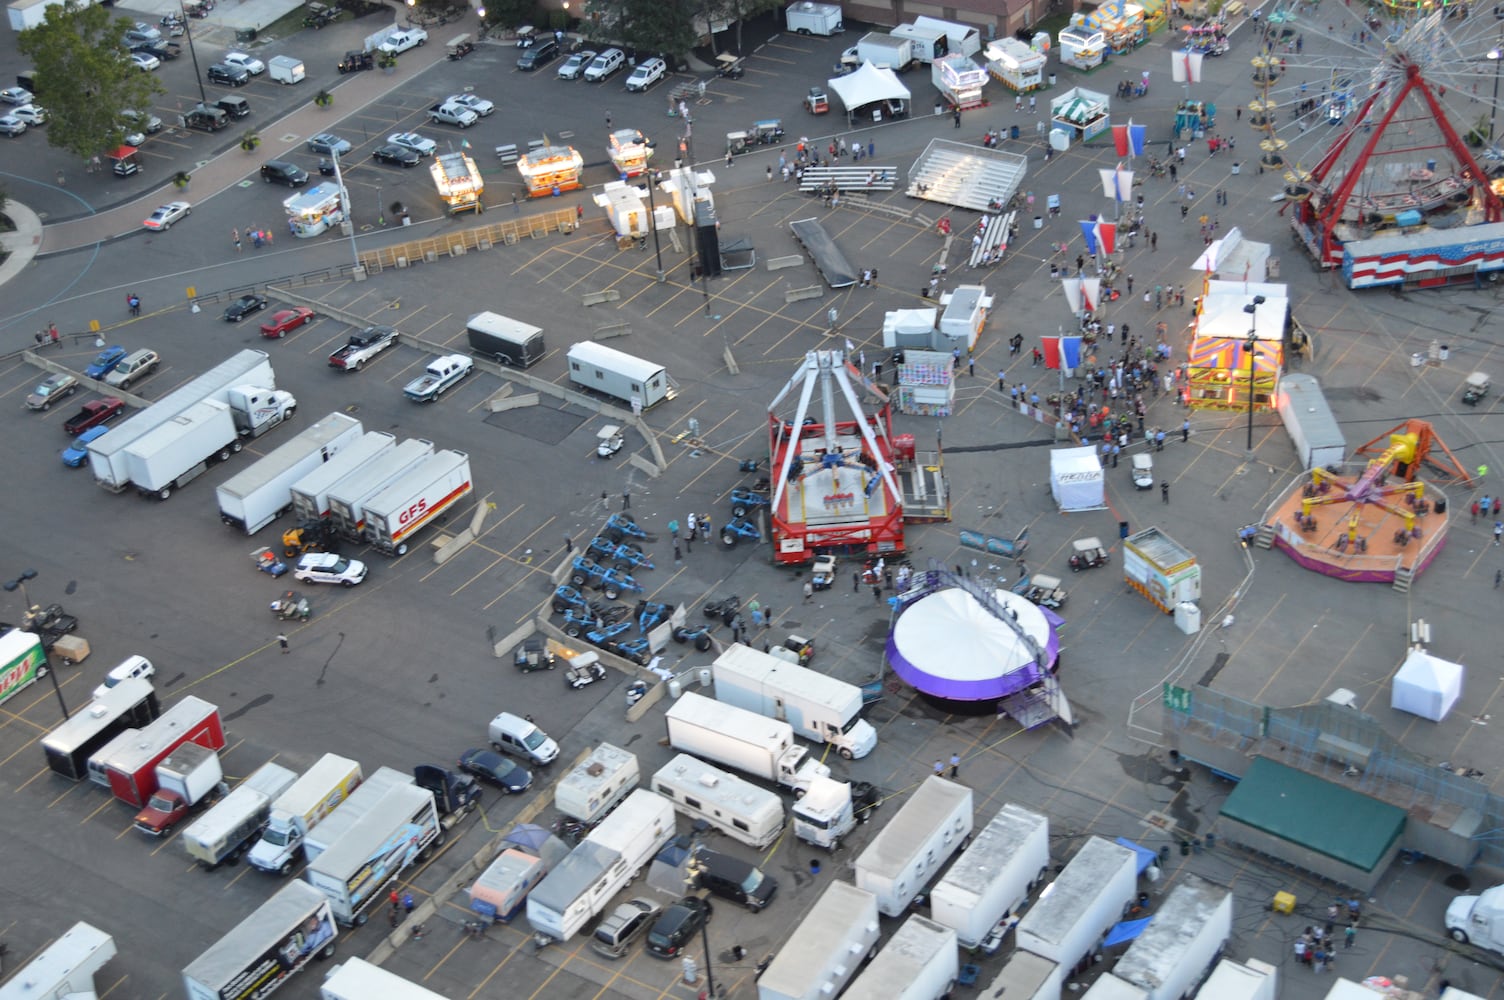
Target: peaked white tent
column 1076, row 480
column 1426, row 686
column 866, row 85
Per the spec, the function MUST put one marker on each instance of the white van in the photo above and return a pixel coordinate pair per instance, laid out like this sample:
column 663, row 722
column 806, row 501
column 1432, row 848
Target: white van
column 131, row 666
column 521, row 738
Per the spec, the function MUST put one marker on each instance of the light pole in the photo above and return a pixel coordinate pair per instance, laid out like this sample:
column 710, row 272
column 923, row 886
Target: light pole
column 693, row 868
column 203, row 98
column 344, row 197
column 1252, row 347
column 11, row 586
column 653, row 217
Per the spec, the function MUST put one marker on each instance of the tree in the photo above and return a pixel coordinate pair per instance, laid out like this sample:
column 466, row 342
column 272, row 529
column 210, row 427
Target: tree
column 667, row 26
column 85, row 77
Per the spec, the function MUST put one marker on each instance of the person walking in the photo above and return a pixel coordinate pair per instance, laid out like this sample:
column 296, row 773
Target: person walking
column 1475, row 512
column 1348, row 936
column 282, row 641
column 235, row 238
column 955, row 765
column 1498, row 531
column 939, row 768
column 957, row 117
column 569, row 544
column 133, row 303
column 705, row 526
column 1185, row 430
column 626, row 499
column 809, row 592
column 1164, row 491
column 407, row 903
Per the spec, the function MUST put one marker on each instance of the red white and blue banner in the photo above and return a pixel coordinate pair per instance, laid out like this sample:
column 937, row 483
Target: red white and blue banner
column 1061, row 352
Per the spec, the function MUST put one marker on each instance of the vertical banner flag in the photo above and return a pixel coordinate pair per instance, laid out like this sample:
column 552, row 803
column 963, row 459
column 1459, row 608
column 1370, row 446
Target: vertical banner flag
column 1124, row 183
column 1109, row 182
column 1051, row 347
column 1137, row 135
column 1185, row 66
column 1061, row 352
column 1120, row 139
column 1072, row 289
column 1107, row 237
column 1089, row 230
column 1089, row 289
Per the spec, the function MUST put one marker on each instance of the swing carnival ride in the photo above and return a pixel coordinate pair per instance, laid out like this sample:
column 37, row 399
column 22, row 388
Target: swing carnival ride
column 1385, row 184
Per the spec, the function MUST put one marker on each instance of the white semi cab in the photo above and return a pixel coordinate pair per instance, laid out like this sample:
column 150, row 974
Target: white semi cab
column 819, row 707
column 822, row 955
column 917, row 841
column 753, row 744
column 1007, row 858
column 301, row 808
column 1478, row 919
column 919, row 962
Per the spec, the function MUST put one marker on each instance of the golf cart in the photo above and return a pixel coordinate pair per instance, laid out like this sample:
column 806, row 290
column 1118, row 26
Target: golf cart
column 737, row 142
column 1043, row 590
column 1475, row 388
column 533, row 654
column 729, row 66
column 356, row 61
column 459, row 47
column 1143, row 471
column 526, row 36
column 767, row 131
column 609, row 440
column 1087, row 553
column 125, row 160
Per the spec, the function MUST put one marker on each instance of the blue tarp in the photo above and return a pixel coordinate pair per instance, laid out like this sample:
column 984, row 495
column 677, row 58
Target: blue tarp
column 1125, row 931
column 1145, row 857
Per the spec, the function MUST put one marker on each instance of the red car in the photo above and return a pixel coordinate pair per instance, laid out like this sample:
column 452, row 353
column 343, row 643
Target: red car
column 93, row 414
column 287, row 319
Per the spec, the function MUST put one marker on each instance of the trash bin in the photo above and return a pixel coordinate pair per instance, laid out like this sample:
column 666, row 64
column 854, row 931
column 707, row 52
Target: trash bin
column 1122, row 529
column 1445, row 351
column 1417, row 359
column 1235, row 168
column 1440, row 505
column 1013, row 132
column 1038, row 222
column 938, row 109
column 245, row 34
column 1052, row 79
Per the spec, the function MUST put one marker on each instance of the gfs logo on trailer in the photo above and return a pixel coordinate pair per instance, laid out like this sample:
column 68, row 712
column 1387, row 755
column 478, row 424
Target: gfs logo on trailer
column 413, row 513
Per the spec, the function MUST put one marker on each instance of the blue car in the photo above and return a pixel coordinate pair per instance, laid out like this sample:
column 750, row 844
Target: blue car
column 106, row 362
column 77, row 453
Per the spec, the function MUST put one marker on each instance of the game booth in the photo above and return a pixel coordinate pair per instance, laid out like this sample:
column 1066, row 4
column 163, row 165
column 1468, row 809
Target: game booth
column 1015, row 65
column 1217, row 366
column 1082, row 113
column 1082, row 47
column 1123, row 25
column 1076, row 480
column 314, row 211
column 959, row 80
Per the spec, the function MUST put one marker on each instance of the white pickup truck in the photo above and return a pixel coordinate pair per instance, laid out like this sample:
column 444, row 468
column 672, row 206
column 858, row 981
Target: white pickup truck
column 441, row 373
column 449, row 113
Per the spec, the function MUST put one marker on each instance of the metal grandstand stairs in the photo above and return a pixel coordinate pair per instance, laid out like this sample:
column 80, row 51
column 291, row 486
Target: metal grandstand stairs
column 966, row 175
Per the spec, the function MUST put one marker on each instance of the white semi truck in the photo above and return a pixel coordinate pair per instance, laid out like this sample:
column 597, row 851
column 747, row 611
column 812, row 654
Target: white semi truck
column 907, row 852
column 823, row 954
column 222, row 833
column 357, row 979
column 301, row 808
column 258, row 495
column 310, row 495
column 397, row 832
column 1478, row 919
column 415, row 500
column 747, row 741
column 1007, row 857
column 261, row 952
column 181, row 449
column 348, row 497
column 819, row 707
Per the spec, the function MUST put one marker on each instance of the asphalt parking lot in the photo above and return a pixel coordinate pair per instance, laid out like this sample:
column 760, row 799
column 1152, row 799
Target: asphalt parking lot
column 400, row 670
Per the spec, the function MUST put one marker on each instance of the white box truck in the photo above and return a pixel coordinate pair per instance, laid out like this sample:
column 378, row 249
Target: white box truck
column 65, row 968
column 907, row 852
column 614, row 373
column 408, row 504
column 1007, row 857
column 259, row 494
column 593, row 787
column 885, row 51
column 347, row 497
column 806, row 18
column 737, row 808
column 600, row 865
column 310, row 495
column 258, row 955
column 398, row 831
column 962, row 38
column 225, row 831
column 357, row 979
column 107, row 458
column 1234, row 980
column 819, row 707
column 919, row 962
column 822, row 955
column 301, row 808
column 180, row 450
column 356, row 805
column 747, row 741
column 927, row 44
column 1078, row 907
column 1177, row 949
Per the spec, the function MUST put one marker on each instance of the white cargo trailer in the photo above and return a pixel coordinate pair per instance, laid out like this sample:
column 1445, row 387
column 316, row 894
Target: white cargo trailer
column 823, row 954
column 357, row 804
column 594, row 786
column 357, row 979
column 919, row 962
column 1314, row 431
column 286, row 69
column 1180, row 944
column 257, row 956
column 393, row 516
column 1027, row 976
column 885, row 51
column 65, row 968
column 927, row 44
column 1006, row 858
column 1074, row 912
column 1233, row 980
column 747, row 741
column 617, row 374
column 226, row 830
column 907, row 852
column 819, row 707
column 398, row 832
column 962, row 38
column 806, row 18
column 347, row 497
column 310, row 495
column 107, row 453
column 600, row 865
column 737, row 808
column 30, row 13
column 259, row 494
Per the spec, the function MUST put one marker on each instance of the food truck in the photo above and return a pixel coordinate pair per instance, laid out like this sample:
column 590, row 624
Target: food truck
column 551, row 170
column 315, row 210
column 959, row 80
column 458, row 181
column 629, row 152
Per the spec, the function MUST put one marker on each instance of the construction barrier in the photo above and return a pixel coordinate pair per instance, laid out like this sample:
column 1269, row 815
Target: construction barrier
column 484, row 237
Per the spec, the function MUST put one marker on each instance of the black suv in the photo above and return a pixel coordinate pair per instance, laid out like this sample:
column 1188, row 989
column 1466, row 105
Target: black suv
column 282, row 172
column 677, row 926
column 734, row 879
column 541, row 53
column 233, row 76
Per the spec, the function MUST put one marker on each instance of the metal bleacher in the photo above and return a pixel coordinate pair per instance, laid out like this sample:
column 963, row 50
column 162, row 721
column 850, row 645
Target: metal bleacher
column 994, row 232
column 853, row 178
column 966, row 175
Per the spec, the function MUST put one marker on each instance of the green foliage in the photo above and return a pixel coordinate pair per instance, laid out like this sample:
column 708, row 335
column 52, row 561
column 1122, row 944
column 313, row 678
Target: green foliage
column 85, row 77
column 510, row 13
column 180, row 180
column 323, row 98
column 249, row 140
column 652, row 26
column 387, row 60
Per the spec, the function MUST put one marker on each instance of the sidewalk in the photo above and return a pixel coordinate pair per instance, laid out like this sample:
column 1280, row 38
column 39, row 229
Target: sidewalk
column 21, row 245
column 351, row 94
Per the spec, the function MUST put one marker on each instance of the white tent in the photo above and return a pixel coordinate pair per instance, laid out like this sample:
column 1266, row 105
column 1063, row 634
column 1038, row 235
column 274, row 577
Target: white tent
column 1076, row 480
column 909, row 328
column 866, row 85
column 1426, row 686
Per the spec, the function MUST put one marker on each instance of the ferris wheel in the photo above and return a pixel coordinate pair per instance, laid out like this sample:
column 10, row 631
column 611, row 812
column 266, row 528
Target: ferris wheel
column 1381, row 117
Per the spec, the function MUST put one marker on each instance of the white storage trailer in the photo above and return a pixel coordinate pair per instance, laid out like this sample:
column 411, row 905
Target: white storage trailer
column 393, row 516
column 993, row 876
column 885, row 51
column 259, row 494
column 1026, row 976
column 927, row 44
column 29, row 13
column 747, row 741
column 1314, row 431
column 807, row 18
column 65, row 968
column 737, row 808
column 600, row 865
column 823, row 954
column 257, row 956
column 347, row 497
column 594, row 786
column 819, row 707
column 919, row 962
column 963, row 38
column 310, row 495
column 320, row 838
column 1180, row 944
column 907, row 852
column 305, row 805
column 286, row 69
column 397, row 832
column 177, row 452
column 1233, row 980
column 230, row 827
column 357, row 979
column 1073, row 913
column 617, row 374
column 107, row 457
